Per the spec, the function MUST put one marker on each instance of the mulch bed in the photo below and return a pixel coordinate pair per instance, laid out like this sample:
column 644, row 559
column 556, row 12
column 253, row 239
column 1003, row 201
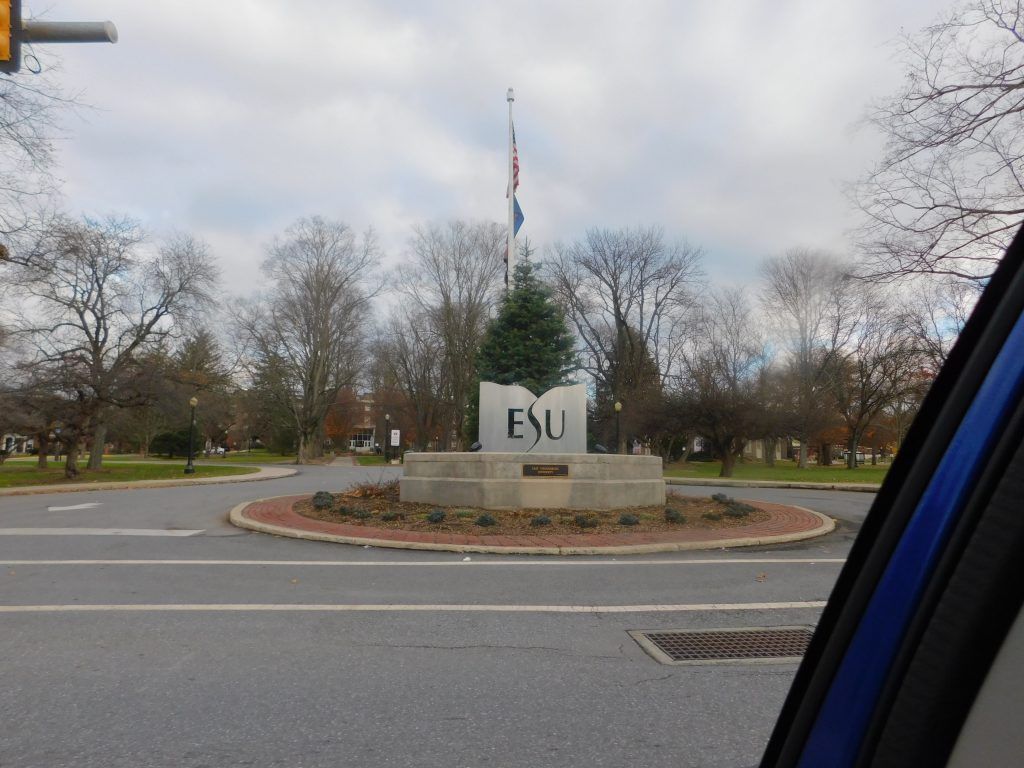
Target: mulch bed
column 369, row 504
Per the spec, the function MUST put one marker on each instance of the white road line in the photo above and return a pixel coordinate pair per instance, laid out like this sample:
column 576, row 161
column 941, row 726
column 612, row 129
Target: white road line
column 437, row 563
column 386, row 608
column 90, row 505
column 94, row 532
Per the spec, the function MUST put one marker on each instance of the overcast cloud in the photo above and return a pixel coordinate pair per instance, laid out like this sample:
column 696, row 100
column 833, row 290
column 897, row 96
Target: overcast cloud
column 729, row 123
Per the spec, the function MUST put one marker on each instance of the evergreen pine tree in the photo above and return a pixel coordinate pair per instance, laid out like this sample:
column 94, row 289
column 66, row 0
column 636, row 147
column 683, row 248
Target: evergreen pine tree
column 528, row 343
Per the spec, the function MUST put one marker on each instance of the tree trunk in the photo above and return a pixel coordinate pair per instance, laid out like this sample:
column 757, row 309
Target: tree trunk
column 802, row 461
column 874, row 456
column 99, row 437
column 43, row 444
column 728, row 462
column 768, row 445
column 851, row 447
column 826, row 455
column 71, row 462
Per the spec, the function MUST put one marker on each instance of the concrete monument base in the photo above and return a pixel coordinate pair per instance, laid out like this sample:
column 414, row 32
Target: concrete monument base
column 533, row 480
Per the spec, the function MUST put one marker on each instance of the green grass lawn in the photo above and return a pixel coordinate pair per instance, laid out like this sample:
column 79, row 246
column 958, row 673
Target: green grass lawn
column 370, row 460
column 257, row 456
column 21, row 473
column 783, row 471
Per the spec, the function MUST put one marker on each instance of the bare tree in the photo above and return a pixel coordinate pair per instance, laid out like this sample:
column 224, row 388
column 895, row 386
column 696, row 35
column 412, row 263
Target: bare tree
column 626, row 294
column 807, row 295
column 720, row 379
column 96, row 304
column 408, row 357
column 935, row 311
column 307, row 336
column 948, row 193
column 873, row 368
column 776, row 413
column 453, row 282
column 30, row 108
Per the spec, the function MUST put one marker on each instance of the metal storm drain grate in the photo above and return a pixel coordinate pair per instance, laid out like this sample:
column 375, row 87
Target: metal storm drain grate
column 717, row 646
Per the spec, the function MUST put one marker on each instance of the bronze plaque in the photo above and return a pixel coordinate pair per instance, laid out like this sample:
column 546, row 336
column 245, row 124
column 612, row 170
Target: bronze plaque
column 545, row 470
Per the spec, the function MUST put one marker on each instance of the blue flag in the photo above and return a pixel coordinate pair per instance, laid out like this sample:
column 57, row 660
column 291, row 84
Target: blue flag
column 517, row 216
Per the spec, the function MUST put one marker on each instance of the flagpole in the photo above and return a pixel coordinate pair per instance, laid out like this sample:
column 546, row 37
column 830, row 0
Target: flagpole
column 511, row 237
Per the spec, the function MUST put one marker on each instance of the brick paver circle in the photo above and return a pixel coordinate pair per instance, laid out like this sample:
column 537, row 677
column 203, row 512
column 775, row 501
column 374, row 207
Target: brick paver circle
column 786, row 523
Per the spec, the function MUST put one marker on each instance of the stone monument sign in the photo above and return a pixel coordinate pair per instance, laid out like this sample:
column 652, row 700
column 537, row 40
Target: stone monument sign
column 533, row 456
column 514, row 420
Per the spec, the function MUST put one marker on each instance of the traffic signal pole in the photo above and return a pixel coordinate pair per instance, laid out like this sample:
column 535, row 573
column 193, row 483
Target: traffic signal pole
column 68, row 32
column 14, row 30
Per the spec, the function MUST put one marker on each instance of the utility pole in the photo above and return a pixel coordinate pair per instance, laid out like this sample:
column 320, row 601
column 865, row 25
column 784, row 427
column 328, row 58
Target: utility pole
column 14, row 31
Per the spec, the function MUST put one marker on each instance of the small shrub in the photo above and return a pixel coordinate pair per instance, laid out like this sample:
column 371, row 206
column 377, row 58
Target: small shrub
column 462, row 514
column 363, row 514
column 701, row 456
column 721, row 497
column 711, row 516
column 486, row 521
column 540, row 520
column 381, row 489
column 738, row 509
column 323, row 500
column 390, row 516
column 436, row 516
column 344, row 511
column 585, row 521
column 674, row 516
column 628, row 519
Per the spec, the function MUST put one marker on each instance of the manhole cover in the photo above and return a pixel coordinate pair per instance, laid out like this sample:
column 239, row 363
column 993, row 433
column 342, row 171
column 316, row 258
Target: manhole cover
column 718, row 646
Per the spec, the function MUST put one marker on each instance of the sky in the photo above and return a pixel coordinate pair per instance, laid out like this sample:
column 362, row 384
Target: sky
column 732, row 124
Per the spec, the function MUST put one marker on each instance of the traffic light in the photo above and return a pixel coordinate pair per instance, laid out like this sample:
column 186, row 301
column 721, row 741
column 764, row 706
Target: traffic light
column 10, row 27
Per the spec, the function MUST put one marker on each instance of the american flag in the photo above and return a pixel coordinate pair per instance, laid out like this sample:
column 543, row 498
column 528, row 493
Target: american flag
column 515, row 164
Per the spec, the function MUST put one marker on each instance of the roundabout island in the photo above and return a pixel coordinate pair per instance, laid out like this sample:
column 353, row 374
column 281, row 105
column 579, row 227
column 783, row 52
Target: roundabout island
column 530, row 487
column 371, row 519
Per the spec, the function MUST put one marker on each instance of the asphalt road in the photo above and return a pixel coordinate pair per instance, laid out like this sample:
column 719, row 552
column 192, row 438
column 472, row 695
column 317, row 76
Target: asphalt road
column 205, row 645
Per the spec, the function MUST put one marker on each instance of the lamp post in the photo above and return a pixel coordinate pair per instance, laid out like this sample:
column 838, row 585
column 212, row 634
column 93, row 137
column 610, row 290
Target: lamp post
column 190, row 468
column 56, row 431
column 618, row 410
column 387, row 435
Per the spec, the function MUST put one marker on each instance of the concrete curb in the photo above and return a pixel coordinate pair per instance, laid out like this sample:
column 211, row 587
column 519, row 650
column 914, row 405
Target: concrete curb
column 263, row 473
column 724, row 481
column 237, row 517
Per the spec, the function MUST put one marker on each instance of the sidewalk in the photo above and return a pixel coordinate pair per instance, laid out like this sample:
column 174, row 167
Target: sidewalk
column 263, row 473
column 786, row 524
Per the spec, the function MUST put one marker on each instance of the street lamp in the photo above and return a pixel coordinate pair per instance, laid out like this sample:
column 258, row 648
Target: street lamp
column 387, row 435
column 56, row 431
column 618, row 410
column 190, row 468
